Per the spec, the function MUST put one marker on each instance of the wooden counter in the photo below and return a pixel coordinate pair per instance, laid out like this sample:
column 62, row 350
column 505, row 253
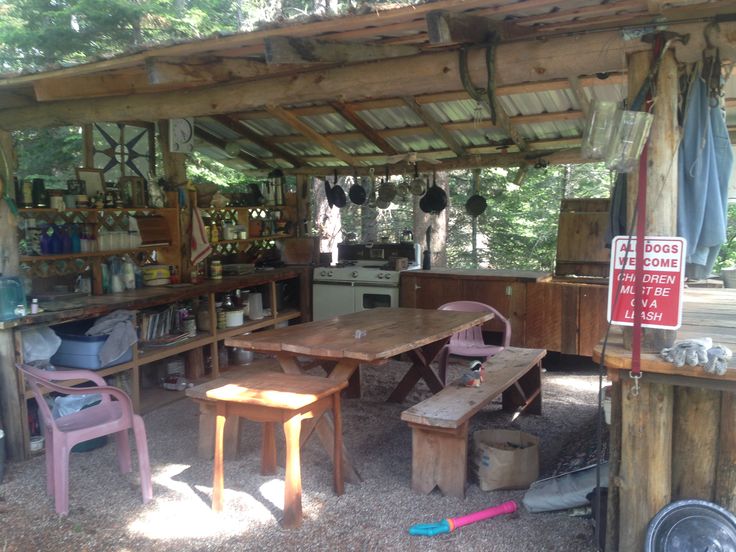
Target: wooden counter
column 544, row 312
column 676, row 439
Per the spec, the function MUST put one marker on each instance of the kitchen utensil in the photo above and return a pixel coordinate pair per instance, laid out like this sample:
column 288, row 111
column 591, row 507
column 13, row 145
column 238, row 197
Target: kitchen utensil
column 416, row 186
column 436, row 198
column 424, row 202
column 476, row 204
column 357, row 193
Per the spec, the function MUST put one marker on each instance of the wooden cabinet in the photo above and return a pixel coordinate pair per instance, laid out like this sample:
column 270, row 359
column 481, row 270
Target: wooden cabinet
column 544, row 313
column 505, row 290
column 269, row 283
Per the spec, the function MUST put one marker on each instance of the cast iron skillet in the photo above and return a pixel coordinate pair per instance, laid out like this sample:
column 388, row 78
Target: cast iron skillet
column 435, row 200
column 357, row 193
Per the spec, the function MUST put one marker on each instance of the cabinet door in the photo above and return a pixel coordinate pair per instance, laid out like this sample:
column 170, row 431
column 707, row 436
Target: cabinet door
column 507, row 297
column 543, row 317
column 593, row 304
column 428, row 292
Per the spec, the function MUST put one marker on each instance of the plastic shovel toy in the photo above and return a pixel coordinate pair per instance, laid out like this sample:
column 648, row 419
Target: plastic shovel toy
column 450, row 524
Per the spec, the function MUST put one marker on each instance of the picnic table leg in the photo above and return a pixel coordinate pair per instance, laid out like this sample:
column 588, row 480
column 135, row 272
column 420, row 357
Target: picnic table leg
column 293, row 483
column 268, row 449
column 323, row 424
column 420, row 369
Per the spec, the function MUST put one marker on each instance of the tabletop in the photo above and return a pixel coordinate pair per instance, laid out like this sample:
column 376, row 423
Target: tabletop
column 387, row 333
column 273, row 389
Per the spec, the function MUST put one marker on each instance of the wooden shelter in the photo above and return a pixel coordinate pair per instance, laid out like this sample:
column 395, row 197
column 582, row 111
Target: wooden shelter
column 442, row 85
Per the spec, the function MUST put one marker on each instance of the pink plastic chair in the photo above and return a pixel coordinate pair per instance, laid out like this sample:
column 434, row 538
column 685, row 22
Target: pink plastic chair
column 109, row 417
column 469, row 343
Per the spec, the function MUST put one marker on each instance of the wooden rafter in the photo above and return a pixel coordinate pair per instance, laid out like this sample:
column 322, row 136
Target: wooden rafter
column 435, row 125
column 299, row 125
column 220, row 143
column 350, row 115
column 262, row 141
column 295, row 50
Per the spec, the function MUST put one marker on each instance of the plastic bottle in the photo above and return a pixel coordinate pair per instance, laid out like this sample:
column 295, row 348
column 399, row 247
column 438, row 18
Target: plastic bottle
column 76, row 242
column 34, row 306
column 128, row 273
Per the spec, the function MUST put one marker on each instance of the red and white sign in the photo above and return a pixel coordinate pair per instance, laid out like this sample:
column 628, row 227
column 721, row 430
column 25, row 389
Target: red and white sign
column 662, row 282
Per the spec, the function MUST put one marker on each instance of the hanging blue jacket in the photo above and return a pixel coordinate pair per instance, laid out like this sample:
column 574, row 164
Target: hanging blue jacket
column 705, row 160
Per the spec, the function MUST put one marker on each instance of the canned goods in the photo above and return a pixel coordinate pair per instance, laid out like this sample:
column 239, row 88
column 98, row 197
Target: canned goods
column 216, row 270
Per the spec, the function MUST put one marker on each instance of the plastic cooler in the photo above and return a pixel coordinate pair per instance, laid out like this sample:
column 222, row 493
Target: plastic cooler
column 82, row 351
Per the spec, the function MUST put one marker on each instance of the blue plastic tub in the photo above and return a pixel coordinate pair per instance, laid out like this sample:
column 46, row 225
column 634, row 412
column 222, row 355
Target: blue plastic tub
column 82, row 351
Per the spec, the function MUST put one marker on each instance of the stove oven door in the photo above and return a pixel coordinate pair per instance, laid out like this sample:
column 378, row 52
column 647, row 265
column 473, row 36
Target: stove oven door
column 332, row 298
column 371, row 297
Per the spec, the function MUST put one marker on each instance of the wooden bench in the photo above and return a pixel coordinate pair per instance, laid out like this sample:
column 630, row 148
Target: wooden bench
column 440, row 423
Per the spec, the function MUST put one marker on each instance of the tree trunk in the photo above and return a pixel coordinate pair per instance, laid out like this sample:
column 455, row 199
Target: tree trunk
column 328, row 221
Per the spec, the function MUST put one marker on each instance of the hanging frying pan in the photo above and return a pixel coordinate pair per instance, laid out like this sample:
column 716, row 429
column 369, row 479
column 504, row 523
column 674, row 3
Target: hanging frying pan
column 357, row 193
column 436, row 197
column 476, row 204
column 416, row 186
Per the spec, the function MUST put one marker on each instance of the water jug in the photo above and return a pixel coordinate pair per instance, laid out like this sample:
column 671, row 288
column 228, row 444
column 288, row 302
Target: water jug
column 11, row 295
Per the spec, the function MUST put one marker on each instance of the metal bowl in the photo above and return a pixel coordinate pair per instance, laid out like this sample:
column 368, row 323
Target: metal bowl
column 688, row 525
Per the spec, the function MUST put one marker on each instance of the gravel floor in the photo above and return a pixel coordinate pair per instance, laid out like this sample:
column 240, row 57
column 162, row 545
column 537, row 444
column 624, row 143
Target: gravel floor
column 106, row 512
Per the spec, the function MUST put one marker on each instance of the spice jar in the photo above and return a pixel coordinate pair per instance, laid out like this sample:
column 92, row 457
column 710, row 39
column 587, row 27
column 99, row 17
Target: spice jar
column 216, row 270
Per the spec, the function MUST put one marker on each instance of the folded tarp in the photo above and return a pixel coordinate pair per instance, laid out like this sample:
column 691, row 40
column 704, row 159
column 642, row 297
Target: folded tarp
column 564, row 491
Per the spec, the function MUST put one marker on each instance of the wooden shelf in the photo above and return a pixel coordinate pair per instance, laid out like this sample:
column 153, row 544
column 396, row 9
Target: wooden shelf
column 256, row 238
column 89, row 254
column 48, row 210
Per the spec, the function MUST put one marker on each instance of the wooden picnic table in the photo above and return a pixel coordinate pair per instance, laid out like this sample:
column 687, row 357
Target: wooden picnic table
column 367, row 337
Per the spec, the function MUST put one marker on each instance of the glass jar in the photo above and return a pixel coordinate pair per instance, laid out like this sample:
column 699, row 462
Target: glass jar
column 216, row 270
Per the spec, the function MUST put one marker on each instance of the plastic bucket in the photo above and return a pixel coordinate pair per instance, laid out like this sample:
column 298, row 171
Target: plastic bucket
column 729, row 277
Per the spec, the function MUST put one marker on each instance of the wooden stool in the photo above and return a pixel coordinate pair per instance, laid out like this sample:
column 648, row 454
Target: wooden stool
column 271, row 398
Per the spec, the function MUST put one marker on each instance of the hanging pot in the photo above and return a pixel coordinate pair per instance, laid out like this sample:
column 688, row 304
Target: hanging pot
column 476, row 204
column 436, row 198
column 357, row 193
column 339, row 199
column 416, row 186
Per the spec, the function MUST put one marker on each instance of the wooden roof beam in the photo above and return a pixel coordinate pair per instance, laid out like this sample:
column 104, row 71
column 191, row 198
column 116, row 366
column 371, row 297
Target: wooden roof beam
column 296, row 123
column 435, row 125
column 371, row 134
column 553, row 157
column 433, row 72
column 220, row 143
column 262, row 141
column 295, row 50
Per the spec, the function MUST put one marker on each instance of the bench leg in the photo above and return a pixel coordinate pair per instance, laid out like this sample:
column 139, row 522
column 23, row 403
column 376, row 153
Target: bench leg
column 439, row 459
column 527, row 394
column 207, row 412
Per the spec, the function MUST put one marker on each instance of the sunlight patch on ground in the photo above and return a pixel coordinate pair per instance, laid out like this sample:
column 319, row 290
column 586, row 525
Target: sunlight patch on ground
column 273, row 491
column 588, row 384
column 185, row 511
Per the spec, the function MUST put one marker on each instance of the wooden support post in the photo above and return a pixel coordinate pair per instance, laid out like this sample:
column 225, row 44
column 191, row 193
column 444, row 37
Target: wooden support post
column 695, row 435
column 725, row 488
column 645, row 463
column 662, row 168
